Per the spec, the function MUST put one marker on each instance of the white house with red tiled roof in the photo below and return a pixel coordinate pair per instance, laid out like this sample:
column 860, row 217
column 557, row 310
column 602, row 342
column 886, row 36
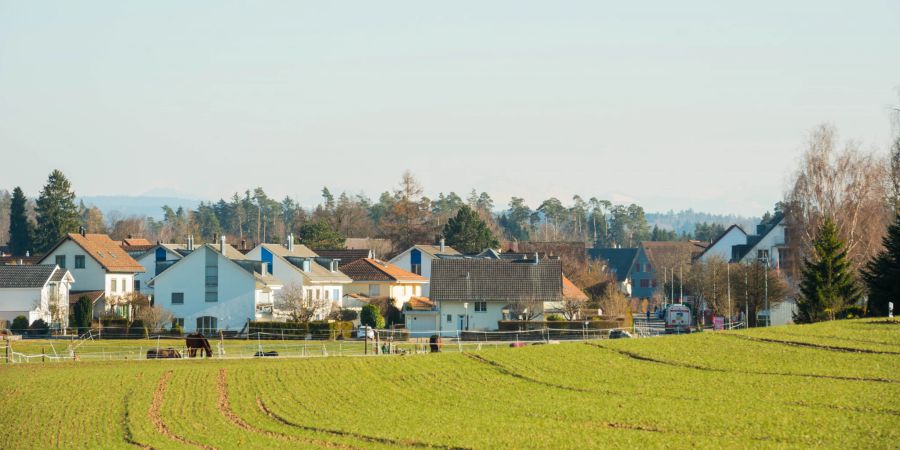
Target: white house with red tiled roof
column 98, row 263
column 374, row 278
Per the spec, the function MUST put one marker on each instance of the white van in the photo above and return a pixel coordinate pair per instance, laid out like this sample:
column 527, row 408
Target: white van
column 678, row 319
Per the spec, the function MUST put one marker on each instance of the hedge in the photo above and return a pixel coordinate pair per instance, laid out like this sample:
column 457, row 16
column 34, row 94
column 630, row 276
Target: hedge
column 521, row 325
column 314, row 330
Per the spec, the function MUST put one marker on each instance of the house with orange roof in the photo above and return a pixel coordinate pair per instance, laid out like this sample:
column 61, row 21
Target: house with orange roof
column 374, row 278
column 97, row 263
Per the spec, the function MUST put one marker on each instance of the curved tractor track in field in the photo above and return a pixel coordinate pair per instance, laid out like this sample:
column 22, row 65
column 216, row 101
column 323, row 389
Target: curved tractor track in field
column 505, row 371
column 366, row 438
column 127, row 435
column 224, row 407
column 643, row 358
column 811, row 345
column 156, row 418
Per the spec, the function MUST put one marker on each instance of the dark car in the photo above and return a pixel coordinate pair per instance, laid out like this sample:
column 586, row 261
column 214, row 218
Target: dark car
column 619, row 334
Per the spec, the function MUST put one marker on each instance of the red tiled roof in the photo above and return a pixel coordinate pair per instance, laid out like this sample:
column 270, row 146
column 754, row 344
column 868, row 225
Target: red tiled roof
column 368, row 269
column 135, row 241
column 571, row 291
column 104, row 250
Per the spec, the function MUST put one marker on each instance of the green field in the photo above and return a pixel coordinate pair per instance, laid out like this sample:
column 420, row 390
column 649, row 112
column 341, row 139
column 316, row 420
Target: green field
column 834, row 385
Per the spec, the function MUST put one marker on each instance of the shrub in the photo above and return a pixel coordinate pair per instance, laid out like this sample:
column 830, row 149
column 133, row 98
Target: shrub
column 38, row 328
column 330, row 330
column 851, row 312
column 555, row 318
column 138, row 330
column 81, row 314
column 371, row 316
column 349, row 315
column 19, row 325
column 176, row 329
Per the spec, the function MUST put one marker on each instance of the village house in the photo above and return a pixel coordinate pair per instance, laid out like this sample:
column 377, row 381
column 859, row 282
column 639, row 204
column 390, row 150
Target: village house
column 215, row 287
column 99, row 265
column 654, row 257
column 154, row 260
column 418, row 258
column 619, row 263
column 36, row 292
column 477, row 293
column 375, row 279
column 320, row 279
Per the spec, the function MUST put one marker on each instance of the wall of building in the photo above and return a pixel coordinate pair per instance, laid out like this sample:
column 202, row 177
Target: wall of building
column 722, row 247
column 148, row 261
column 404, row 261
column 236, row 292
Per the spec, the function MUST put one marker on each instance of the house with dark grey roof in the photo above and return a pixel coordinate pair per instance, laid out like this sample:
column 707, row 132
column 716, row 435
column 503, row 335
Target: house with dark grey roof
column 619, row 263
column 477, row 293
column 36, row 292
column 417, row 259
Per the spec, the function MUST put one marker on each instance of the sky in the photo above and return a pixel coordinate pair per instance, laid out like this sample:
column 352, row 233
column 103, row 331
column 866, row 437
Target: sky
column 674, row 105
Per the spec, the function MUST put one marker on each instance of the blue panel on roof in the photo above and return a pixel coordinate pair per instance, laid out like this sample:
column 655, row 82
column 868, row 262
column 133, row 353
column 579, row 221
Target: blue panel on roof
column 160, row 254
column 415, row 256
column 267, row 258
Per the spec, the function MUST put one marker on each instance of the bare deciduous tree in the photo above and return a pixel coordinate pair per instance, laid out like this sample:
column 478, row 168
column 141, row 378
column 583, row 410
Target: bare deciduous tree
column 613, row 302
column 291, row 301
column 571, row 307
column 847, row 185
column 154, row 318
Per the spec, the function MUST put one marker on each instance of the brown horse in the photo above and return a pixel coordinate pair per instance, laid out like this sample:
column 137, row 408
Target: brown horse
column 163, row 353
column 197, row 341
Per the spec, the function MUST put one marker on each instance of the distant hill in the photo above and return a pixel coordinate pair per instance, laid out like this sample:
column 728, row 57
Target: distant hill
column 144, row 206
column 683, row 221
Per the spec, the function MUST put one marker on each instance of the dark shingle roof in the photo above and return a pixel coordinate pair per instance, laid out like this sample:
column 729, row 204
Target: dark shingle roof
column 346, row 256
column 34, row 276
column 620, row 259
column 493, row 279
column 738, row 252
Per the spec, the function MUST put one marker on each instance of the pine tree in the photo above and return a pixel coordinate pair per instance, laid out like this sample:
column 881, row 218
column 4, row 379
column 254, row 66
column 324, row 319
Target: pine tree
column 827, row 285
column 57, row 213
column 20, row 228
column 467, row 233
column 882, row 273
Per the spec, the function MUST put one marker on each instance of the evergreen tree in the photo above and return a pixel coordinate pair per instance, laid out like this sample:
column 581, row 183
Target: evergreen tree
column 467, row 233
column 57, row 213
column 320, row 235
column 827, row 285
column 20, row 228
column 882, row 273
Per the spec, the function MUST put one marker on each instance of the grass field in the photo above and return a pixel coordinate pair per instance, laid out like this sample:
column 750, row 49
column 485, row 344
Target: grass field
column 834, row 385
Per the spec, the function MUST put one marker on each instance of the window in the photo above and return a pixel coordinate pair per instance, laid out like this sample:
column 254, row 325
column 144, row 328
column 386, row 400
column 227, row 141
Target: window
column 212, row 276
column 762, row 255
column 179, row 321
column 416, row 269
column 112, row 285
column 79, row 261
column 648, row 268
column 337, row 294
column 327, row 294
column 178, row 298
column 61, row 261
column 373, row 290
column 137, row 285
column 654, row 283
column 449, row 318
column 645, row 283
column 480, row 306
column 637, row 267
column 207, row 324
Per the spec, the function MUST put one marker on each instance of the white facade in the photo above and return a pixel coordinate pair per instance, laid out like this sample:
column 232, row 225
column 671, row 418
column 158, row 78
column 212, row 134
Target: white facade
column 148, row 261
column 93, row 276
column 182, row 290
column 325, row 290
column 721, row 248
column 35, row 303
column 454, row 316
column 424, row 254
column 400, row 291
column 769, row 247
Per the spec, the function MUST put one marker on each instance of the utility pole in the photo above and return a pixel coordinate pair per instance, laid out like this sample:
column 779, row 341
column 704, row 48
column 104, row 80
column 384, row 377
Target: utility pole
column 746, row 299
column 766, row 278
column 728, row 275
column 681, row 284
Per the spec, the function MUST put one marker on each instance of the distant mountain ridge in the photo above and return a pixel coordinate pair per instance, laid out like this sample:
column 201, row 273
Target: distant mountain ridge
column 142, row 206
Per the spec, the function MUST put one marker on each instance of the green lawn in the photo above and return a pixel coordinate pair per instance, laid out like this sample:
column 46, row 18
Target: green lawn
column 795, row 386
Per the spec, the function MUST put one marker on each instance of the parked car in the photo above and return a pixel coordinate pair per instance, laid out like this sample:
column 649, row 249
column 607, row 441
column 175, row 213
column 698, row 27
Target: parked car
column 619, row 334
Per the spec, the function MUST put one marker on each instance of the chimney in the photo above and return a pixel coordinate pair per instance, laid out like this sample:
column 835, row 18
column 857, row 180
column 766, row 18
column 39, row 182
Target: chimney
column 442, row 245
column 222, row 245
column 190, row 242
column 243, row 244
column 82, row 231
column 27, row 253
column 290, row 242
column 215, row 237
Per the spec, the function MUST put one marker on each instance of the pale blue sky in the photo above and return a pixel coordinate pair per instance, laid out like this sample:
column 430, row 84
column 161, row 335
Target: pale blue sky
column 672, row 104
